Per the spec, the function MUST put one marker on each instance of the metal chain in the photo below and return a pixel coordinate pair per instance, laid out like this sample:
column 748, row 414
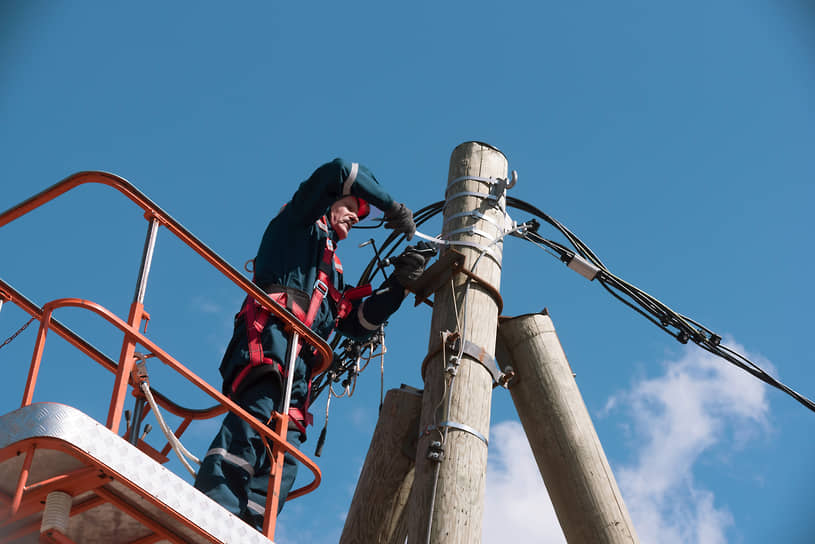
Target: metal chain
column 21, row 329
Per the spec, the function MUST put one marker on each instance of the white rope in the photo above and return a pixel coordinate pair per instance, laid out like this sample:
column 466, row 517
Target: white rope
column 177, row 446
column 382, row 368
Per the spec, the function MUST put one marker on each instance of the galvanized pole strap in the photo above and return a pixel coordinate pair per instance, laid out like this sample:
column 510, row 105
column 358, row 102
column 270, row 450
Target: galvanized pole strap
column 480, row 355
column 440, row 242
column 487, row 196
column 477, row 215
column 457, row 426
column 509, row 183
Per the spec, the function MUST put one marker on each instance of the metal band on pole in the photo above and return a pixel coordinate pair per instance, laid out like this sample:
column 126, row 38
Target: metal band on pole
column 477, row 232
column 488, row 196
column 458, row 426
column 477, row 215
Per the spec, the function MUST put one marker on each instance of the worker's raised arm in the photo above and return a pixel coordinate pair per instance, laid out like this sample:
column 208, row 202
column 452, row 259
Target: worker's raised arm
column 332, row 181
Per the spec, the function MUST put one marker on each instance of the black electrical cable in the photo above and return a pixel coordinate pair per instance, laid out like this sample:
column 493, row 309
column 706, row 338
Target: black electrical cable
column 652, row 309
column 680, row 327
column 344, row 359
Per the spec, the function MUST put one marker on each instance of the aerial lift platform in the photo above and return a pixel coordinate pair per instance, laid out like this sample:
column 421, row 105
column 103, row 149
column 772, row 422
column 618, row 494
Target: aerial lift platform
column 67, row 478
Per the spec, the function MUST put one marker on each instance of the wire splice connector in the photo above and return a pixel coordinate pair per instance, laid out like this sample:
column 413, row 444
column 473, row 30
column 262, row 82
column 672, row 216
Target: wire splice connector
column 581, row 266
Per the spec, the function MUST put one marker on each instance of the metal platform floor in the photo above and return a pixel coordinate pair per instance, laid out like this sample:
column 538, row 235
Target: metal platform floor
column 119, row 494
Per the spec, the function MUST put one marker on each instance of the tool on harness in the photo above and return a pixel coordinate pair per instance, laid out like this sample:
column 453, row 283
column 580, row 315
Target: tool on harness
column 305, row 308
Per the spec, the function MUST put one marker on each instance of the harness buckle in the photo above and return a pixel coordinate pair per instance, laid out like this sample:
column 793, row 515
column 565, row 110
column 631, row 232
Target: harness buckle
column 321, row 286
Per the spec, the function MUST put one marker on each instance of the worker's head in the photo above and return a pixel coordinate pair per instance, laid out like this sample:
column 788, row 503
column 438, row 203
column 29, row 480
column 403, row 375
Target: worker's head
column 347, row 212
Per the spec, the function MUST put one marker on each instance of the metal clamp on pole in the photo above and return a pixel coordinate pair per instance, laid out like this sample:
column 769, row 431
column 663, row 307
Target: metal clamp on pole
column 480, row 355
column 477, row 215
column 487, row 196
column 457, row 426
column 509, row 183
column 473, row 230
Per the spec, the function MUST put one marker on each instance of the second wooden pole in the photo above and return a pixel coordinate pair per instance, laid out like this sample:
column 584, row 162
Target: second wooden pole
column 377, row 513
column 567, row 449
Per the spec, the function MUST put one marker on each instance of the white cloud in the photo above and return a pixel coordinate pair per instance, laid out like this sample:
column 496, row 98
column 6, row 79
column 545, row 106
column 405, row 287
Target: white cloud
column 516, row 507
column 700, row 402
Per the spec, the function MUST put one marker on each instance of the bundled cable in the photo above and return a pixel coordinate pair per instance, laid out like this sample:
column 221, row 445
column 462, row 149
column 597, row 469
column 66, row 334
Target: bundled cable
column 584, row 261
column 579, row 257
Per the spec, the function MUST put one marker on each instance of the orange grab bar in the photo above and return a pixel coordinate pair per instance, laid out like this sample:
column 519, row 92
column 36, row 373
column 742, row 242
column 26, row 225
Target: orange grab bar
column 324, row 352
column 265, row 432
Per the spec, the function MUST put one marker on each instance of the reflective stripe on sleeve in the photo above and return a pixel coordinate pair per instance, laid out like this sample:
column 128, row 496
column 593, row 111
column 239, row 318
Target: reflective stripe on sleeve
column 352, row 177
column 255, row 507
column 364, row 322
column 232, row 459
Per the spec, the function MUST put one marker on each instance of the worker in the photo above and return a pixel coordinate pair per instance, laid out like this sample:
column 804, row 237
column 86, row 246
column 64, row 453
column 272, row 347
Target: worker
column 297, row 267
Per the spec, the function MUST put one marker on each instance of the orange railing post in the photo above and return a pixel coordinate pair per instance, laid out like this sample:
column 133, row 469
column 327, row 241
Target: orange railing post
column 275, row 479
column 126, row 362
column 36, row 358
column 22, row 480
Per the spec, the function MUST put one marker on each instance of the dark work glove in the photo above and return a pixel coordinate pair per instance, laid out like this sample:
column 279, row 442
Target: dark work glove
column 400, row 219
column 410, row 265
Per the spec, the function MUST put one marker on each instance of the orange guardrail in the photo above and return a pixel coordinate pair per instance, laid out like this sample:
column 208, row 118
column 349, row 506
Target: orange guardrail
column 324, row 353
column 164, row 357
column 130, row 329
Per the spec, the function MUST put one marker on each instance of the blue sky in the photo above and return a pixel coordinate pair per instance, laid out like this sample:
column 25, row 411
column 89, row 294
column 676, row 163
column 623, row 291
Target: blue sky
column 676, row 140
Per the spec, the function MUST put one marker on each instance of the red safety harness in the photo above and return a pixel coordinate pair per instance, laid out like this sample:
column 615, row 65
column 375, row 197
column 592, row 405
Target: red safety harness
column 257, row 317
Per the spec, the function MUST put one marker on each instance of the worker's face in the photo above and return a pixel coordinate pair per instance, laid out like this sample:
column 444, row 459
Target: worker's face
column 343, row 215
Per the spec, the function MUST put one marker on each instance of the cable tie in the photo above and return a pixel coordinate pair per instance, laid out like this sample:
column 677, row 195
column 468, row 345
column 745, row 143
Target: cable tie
column 479, row 215
column 486, row 196
column 488, row 181
column 476, row 231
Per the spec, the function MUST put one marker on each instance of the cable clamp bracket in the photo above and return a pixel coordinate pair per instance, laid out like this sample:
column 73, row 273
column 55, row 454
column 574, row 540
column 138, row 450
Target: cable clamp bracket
column 480, row 355
column 507, row 183
column 138, row 374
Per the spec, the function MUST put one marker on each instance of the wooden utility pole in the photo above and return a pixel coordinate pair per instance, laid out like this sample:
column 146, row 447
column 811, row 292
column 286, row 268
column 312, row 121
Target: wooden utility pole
column 377, row 510
column 559, row 429
column 448, row 494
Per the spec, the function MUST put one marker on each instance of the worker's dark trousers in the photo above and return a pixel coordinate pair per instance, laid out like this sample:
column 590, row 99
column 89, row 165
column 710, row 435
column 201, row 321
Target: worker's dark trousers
column 235, row 470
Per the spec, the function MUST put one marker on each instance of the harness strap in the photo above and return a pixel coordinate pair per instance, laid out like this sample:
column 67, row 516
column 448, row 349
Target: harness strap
column 346, row 302
column 257, row 317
